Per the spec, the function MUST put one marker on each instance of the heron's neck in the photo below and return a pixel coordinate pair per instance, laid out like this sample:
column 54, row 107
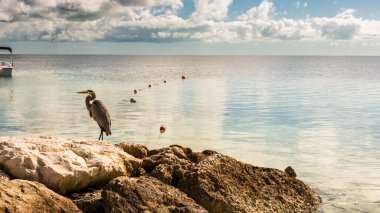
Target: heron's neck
column 88, row 99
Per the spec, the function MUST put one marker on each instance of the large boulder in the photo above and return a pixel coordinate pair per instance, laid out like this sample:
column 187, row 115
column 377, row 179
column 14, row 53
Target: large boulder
column 64, row 165
column 146, row 194
column 27, row 196
column 222, row 184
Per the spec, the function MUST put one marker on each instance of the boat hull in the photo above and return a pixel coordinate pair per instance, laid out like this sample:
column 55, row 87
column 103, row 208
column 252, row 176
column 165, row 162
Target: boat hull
column 6, row 71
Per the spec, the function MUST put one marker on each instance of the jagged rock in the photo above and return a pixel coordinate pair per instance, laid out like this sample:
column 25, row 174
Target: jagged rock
column 222, row 184
column 176, row 150
column 217, row 182
column 136, row 150
column 4, row 176
column 27, row 196
column 172, row 163
column 146, row 194
column 185, row 150
column 90, row 202
column 197, row 157
column 209, row 152
column 166, row 157
column 64, row 165
column 290, row 171
column 164, row 173
column 168, row 164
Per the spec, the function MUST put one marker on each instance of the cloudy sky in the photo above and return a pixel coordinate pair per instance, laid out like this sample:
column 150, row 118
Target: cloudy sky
column 242, row 27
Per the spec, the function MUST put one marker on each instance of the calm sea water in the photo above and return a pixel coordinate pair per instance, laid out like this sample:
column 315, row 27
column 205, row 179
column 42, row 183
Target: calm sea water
column 320, row 115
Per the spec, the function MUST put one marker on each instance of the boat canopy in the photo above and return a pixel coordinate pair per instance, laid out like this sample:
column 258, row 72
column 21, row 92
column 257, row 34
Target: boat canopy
column 6, row 48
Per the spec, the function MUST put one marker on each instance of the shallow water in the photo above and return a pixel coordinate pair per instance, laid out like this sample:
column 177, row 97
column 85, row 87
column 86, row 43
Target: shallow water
column 318, row 114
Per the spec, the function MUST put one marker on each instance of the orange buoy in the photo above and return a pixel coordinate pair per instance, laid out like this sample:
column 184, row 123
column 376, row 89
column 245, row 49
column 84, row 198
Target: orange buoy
column 183, row 77
column 162, row 128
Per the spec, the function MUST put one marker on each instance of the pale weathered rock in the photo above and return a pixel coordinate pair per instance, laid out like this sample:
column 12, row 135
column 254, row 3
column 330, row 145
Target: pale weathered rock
column 136, row 150
column 146, row 194
column 4, row 176
column 290, row 171
column 28, row 196
column 222, row 184
column 90, row 202
column 64, row 165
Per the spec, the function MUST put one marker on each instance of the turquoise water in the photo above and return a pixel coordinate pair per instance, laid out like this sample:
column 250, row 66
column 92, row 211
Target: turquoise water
column 320, row 115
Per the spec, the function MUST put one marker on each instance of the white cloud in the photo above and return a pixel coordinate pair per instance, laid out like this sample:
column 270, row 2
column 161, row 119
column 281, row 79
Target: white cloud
column 158, row 21
column 305, row 4
column 210, row 10
column 262, row 12
column 344, row 26
column 9, row 9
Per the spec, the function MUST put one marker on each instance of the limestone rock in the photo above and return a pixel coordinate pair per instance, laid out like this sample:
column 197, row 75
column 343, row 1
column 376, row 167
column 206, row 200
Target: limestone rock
column 185, row 150
column 27, row 196
column 164, row 173
column 136, row 150
column 146, row 194
column 90, row 202
column 166, row 157
column 197, row 157
column 222, row 184
column 64, row 165
column 168, row 164
column 290, row 171
column 176, row 150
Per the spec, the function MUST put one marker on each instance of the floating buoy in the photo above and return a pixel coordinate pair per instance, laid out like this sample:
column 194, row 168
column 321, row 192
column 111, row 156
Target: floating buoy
column 150, row 86
column 164, row 81
column 183, row 77
column 135, row 91
column 162, row 128
column 133, row 100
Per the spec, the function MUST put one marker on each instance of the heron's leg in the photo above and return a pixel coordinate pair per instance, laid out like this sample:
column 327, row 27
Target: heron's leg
column 101, row 132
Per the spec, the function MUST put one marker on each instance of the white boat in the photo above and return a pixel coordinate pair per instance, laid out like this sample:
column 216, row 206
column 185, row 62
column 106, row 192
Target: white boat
column 6, row 67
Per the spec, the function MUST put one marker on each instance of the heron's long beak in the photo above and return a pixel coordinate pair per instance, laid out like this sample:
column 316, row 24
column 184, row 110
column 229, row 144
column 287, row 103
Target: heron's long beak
column 83, row 92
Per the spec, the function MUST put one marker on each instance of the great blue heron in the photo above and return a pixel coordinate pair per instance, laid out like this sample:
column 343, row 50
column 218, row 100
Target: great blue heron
column 99, row 112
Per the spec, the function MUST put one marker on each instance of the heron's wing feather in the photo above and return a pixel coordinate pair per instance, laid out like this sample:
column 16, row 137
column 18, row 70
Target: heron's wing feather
column 100, row 114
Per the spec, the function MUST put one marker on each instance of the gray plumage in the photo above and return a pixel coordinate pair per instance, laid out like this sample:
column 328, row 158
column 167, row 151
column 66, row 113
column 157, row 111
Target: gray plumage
column 98, row 111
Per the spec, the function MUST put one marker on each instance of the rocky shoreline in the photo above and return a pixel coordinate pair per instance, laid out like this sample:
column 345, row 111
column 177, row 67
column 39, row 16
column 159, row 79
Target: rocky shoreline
column 70, row 175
